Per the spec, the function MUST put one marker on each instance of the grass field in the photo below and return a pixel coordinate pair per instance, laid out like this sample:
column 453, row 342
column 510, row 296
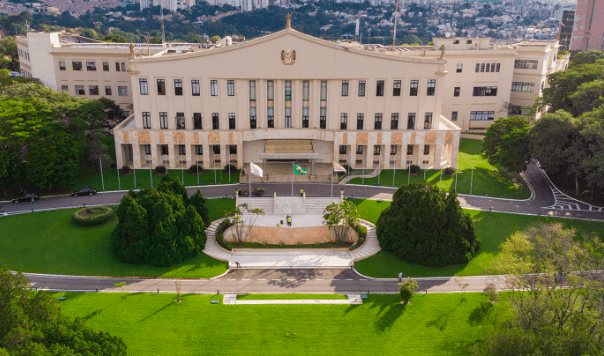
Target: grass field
column 47, row 242
column 487, row 180
column 289, row 296
column 492, row 229
column 152, row 324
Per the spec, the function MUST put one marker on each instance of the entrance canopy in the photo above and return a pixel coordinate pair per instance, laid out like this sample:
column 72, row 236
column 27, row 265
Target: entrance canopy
column 288, row 150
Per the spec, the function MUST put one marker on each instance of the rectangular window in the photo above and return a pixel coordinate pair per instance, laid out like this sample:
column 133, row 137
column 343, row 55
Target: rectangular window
column 252, row 90
column 233, row 149
column 323, row 118
column 489, row 67
column 270, row 90
column 230, row 87
column 213, row 87
column 79, row 90
column 413, row 87
column 360, row 119
column 378, row 122
column 199, row 150
column 232, row 121
column 288, row 90
column 409, row 150
column 270, row 115
column 456, row 91
column 324, row 90
column 394, row 121
column 123, row 66
column 411, row 121
column 122, row 90
column 163, row 120
column 216, row 149
column 361, row 88
column 485, row 91
column 180, row 120
column 305, row 90
column 91, row 66
column 459, row 67
column 177, row 86
column 64, row 87
column 497, row 67
column 144, row 87
column 182, row 150
column 344, row 87
column 62, row 65
column 288, row 117
column 393, row 149
column 305, row 122
column 359, row 149
column 195, row 87
column 379, row 88
column 477, row 67
column 525, row 87
column 343, row 149
column 428, row 121
column 147, row 149
column 161, row 87
column 76, row 65
column 164, row 150
column 525, row 64
column 482, row 66
column 197, row 121
column 377, row 149
column 431, row 87
column 454, row 116
column 215, row 121
column 105, row 66
column 146, row 120
column 93, row 89
column 396, row 88
column 482, row 115
column 117, row 66
column 469, row 42
column 343, row 121
column 426, row 150
column 253, row 121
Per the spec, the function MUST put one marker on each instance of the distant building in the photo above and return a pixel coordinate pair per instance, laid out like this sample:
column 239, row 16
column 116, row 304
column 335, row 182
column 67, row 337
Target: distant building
column 588, row 29
column 566, row 29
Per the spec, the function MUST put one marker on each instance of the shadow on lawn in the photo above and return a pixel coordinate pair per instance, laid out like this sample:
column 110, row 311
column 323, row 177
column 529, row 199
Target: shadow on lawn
column 442, row 319
column 389, row 307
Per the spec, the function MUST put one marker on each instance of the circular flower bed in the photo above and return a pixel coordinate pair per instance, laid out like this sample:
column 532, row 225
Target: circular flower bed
column 92, row 216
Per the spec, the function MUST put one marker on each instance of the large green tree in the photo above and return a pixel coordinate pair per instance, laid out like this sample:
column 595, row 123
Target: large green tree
column 588, row 96
column 592, row 159
column 426, row 226
column 9, row 56
column 506, row 144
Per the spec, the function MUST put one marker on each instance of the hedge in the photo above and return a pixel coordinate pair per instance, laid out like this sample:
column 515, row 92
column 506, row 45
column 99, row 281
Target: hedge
column 224, row 224
column 95, row 219
column 362, row 232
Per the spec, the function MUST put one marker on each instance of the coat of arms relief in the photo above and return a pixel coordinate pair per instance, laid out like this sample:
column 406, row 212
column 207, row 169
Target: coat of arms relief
column 288, row 57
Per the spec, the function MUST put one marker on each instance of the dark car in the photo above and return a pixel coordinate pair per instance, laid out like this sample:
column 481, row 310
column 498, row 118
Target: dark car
column 84, row 191
column 26, row 197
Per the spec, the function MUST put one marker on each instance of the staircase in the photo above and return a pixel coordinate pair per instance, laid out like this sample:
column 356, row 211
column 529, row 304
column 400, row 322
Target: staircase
column 212, row 249
column 266, row 204
column 289, row 205
column 316, row 206
column 371, row 245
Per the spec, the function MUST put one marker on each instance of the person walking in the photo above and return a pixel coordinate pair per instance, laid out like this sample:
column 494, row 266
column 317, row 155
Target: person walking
column 289, row 220
column 400, row 277
column 301, row 193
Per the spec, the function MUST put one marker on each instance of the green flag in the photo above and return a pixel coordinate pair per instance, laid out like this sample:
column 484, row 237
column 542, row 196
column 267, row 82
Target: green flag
column 299, row 170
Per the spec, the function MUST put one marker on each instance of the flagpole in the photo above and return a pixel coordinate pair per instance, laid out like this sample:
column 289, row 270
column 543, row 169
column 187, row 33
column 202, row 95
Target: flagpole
column 331, row 187
column 363, row 182
column 293, row 176
column 249, row 178
column 229, row 164
column 394, row 174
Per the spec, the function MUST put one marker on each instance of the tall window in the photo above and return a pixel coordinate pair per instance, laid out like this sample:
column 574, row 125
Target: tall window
column 323, row 118
column 343, row 121
column 378, row 122
column 379, row 88
column 323, row 110
column 431, row 87
column 230, row 87
column 270, row 97
column 252, row 90
column 409, row 150
column 413, row 87
column 77, row 65
column 426, row 150
column 107, row 90
column 343, row 149
column 360, row 119
column 393, row 149
column 93, row 89
column 232, row 121
column 270, row 90
column 182, row 150
column 288, row 103
column 411, row 121
column 459, row 67
column 288, row 90
column 359, row 149
column 252, row 104
column 65, row 87
column 361, row 88
column 323, row 90
column 305, row 101
column 146, row 120
column 143, row 86
column 180, row 120
column 394, row 121
column 454, row 116
column 105, row 66
column 253, row 122
column 147, row 149
column 428, row 121
column 213, row 87
column 396, row 88
column 177, row 86
column 163, row 120
column 161, row 87
column 485, row 91
column 197, row 121
column 344, row 87
column 62, row 65
column 195, row 87
column 215, row 121
column 123, row 65
column 288, row 117
column 199, row 150
column 270, row 116
column 122, row 90
column 164, row 150
column 91, row 66
column 305, row 121
column 377, row 150
column 456, row 91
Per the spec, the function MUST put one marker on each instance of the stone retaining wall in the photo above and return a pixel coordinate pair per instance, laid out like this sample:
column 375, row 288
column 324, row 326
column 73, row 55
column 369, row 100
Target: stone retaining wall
column 289, row 235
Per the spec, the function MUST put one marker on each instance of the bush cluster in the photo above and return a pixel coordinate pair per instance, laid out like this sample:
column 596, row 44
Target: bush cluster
column 126, row 170
column 160, row 227
column 415, row 169
column 161, row 170
column 224, row 224
column 449, row 171
column 194, row 169
column 105, row 214
column 230, row 168
column 362, row 232
column 428, row 227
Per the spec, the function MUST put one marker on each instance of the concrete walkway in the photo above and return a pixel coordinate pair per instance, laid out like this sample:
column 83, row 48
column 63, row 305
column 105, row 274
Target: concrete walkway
column 231, row 299
column 372, row 174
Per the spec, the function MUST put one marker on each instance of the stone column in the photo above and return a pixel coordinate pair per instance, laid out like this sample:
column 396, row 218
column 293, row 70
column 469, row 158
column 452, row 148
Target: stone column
column 136, row 156
column 438, row 152
column 119, row 155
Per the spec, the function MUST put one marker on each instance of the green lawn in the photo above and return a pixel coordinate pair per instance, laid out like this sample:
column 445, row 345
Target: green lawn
column 47, row 242
column 152, row 324
column 487, row 180
column 492, row 229
column 289, row 296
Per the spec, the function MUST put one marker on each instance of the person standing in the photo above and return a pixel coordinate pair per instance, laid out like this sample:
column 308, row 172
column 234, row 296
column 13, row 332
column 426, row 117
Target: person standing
column 289, row 220
column 301, row 193
column 400, row 277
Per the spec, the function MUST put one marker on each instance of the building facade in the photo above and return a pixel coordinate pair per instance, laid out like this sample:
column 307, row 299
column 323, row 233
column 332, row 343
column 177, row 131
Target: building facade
column 566, row 29
column 287, row 97
column 588, row 30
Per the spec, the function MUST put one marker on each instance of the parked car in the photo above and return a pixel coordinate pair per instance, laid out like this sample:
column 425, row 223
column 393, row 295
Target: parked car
column 84, row 191
column 15, row 74
column 26, row 197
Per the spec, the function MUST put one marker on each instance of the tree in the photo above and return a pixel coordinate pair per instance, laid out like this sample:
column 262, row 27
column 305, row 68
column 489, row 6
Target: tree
column 588, row 57
column 214, row 39
column 199, row 203
column 171, row 185
column 592, row 135
column 406, row 290
column 32, row 324
column 588, row 96
column 96, row 149
column 341, row 218
column 155, row 40
column 426, row 226
column 114, row 39
column 9, row 54
column 88, row 32
column 506, row 144
column 243, row 224
column 555, row 298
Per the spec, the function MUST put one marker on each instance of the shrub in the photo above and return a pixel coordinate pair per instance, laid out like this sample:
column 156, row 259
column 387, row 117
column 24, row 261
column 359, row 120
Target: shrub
column 195, row 169
column 415, row 169
column 362, row 232
column 199, row 203
column 125, row 170
column 427, row 227
column 299, row 244
column 257, row 192
column 224, row 224
column 449, row 171
column 161, row 170
column 229, row 168
column 264, row 244
column 243, row 192
column 491, row 293
column 281, row 244
column 92, row 216
column 406, row 290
